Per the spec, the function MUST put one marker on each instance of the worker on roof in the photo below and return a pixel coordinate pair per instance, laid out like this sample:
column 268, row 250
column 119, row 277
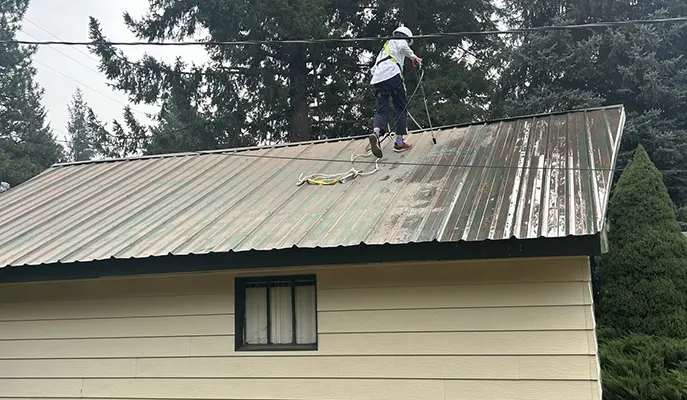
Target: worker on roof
column 387, row 78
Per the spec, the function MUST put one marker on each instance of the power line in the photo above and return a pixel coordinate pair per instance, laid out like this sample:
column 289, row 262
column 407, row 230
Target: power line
column 606, row 24
column 78, row 62
column 65, row 54
column 86, row 86
column 57, row 37
column 86, row 66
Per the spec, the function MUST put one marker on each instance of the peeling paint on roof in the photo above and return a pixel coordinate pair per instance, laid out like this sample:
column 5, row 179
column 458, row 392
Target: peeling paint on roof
column 546, row 175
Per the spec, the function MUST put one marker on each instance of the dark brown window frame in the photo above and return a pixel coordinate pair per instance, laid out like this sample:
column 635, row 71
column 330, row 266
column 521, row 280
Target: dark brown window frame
column 240, row 285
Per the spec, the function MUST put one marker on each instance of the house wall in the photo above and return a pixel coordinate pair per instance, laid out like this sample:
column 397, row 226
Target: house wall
column 462, row 330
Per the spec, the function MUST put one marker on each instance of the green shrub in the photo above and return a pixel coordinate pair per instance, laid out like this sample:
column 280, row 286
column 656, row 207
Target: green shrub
column 642, row 367
column 645, row 271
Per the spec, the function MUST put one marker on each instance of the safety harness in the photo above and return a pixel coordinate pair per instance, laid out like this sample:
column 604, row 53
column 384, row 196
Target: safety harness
column 389, row 57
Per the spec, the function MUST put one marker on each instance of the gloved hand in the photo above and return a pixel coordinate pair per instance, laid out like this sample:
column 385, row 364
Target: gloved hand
column 417, row 61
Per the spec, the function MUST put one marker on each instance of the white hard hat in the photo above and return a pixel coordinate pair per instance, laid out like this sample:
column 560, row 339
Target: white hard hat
column 405, row 31
column 402, row 29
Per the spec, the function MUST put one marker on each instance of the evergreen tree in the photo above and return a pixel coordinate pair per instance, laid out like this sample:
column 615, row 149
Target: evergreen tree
column 645, row 269
column 90, row 138
column 250, row 94
column 117, row 142
column 175, row 122
column 27, row 145
column 81, row 140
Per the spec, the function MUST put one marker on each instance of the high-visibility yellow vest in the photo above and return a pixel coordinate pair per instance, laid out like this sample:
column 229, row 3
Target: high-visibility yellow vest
column 388, row 57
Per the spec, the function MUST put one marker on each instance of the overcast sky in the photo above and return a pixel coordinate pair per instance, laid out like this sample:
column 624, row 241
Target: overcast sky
column 61, row 69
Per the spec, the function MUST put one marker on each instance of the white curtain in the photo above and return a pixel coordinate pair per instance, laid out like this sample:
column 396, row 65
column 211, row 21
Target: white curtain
column 256, row 315
column 280, row 314
column 306, row 329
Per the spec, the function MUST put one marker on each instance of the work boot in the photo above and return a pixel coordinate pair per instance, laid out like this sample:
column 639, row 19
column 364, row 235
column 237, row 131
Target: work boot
column 374, row 145
column 403, row 146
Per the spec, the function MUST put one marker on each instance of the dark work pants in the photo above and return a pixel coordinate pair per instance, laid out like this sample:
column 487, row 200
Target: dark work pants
column 394, row 88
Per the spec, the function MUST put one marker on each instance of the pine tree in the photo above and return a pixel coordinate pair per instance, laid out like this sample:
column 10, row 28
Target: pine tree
column 293, row 92
column 175, row 122
column 122, row 140
column 81, row 140
column 645, row 269
column 90, row 138
column 27, row 145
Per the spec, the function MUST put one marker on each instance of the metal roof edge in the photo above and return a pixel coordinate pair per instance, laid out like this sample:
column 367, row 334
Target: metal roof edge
column 331, row 140
column 520, row 117
column 583, row 245
column 614, row 161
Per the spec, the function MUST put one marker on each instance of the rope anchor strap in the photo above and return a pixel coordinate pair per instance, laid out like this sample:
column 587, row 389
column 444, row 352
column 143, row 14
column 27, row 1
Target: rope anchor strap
column 333, row 179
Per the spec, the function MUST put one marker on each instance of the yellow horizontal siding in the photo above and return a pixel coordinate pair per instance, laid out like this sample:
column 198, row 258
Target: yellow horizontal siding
column 522, row 390
column 125, row 307
column 507, row 329
column 459, row 296
column 331, row 367
column 190, row 325
column 386, row 298
column 304, row 389
column 406, row 389
column 432, row 308
column 537, row 342
column 103, row 348
column 407, row 343
column 435, row 343
column 455, row 319
column 40, row 388
column 67, row 368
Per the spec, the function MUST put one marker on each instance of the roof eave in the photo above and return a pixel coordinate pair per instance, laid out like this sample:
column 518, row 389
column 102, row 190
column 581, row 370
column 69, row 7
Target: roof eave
column 584, row 245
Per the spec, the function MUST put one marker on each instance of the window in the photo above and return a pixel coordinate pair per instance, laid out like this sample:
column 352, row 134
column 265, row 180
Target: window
column 276, row 313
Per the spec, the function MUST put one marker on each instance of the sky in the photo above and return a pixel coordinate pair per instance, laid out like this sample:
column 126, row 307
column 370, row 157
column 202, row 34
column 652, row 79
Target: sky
column 61, row 69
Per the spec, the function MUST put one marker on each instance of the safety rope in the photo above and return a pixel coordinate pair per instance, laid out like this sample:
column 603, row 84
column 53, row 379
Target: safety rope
column 332, row 179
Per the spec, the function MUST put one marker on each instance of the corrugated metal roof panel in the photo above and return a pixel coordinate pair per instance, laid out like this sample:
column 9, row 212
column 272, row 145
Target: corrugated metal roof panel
column 530, row 177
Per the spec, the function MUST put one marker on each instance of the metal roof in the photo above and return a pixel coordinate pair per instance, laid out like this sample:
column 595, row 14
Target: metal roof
column 546, row 175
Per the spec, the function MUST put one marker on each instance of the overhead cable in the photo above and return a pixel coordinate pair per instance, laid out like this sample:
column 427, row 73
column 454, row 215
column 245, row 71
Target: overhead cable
column 65, row 54
column 88, row 87
column 57, row 37
column 605, row 24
